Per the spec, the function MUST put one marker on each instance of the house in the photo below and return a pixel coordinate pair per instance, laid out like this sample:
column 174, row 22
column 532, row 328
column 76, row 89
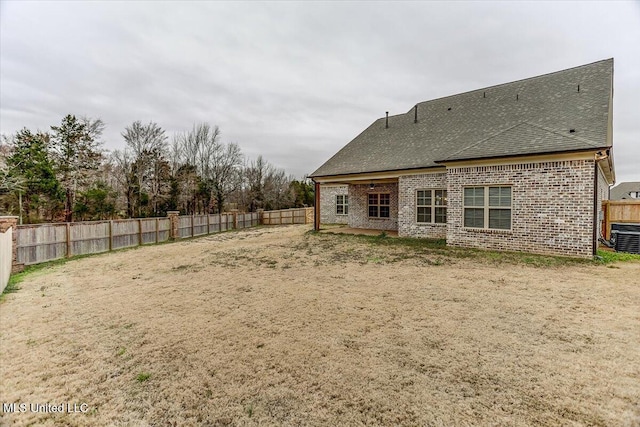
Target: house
column 521, row 166
column 626, row 191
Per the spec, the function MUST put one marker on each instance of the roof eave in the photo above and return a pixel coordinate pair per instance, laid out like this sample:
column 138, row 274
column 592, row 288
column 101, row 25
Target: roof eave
column 544, row 153
column 399, row 170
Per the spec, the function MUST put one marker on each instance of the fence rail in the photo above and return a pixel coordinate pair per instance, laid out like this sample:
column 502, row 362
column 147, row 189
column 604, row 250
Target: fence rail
column 47, row 242
column 619, row 211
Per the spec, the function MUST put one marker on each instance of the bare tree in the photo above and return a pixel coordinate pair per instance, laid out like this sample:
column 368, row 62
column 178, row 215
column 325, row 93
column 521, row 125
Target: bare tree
column 148, row 146
column 127, row 181
column 267, row 186
column 225, row 173
column 217, row 164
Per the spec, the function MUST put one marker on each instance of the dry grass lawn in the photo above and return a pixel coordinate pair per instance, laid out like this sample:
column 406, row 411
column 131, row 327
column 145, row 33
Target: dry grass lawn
column 277, row 326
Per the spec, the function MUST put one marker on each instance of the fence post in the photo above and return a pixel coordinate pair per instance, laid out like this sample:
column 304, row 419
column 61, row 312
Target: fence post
column 234, row 212
column 157, row 230
column 7, row 222
column 174, row 224
column 68, row 233
column 139, row 232
column 193, row 221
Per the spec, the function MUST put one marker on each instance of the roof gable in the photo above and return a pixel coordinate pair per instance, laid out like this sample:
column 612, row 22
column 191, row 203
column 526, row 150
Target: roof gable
column 524, row 117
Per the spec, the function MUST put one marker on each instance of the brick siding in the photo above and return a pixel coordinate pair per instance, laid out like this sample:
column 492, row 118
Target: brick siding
column 359, row 211
column 552, row 207
column 328, row 195
column 551, row 212
column 407, row 224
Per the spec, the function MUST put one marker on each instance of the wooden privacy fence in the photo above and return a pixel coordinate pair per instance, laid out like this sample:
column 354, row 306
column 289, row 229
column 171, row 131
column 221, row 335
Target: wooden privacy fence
column 288, row 216
column 619, row 211
column 47, row 242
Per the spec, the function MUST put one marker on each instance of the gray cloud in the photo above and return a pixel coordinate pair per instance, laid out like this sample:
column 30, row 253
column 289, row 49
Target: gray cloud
column 296, row 81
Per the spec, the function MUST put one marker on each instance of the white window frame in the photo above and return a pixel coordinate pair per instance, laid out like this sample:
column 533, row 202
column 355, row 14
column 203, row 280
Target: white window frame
column 344, row 204
column 378, row 205
column 487, row 207
column 433, row 206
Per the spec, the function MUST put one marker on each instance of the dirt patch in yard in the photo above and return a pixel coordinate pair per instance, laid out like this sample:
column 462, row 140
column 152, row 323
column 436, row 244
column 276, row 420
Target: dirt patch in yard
column 277, row 326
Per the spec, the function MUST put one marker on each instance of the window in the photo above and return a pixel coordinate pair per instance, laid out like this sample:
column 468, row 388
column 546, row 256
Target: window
column 487, row 207
column 342, row 204
column 431, row 206
column 379, row 205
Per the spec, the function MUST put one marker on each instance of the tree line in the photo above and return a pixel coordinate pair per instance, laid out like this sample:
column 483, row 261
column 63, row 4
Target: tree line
column 65, row 174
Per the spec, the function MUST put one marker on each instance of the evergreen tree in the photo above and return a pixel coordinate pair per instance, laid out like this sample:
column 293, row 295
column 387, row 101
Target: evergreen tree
column 30, row 162
column 76, row 154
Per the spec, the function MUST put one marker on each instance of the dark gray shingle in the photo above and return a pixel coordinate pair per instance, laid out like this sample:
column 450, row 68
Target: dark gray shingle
column 488, row 122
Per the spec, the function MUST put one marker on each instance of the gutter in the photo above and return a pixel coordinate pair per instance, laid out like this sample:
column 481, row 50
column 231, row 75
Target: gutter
column 544, row 153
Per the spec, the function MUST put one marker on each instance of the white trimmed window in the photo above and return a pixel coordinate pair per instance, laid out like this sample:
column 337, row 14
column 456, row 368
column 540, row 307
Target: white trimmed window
column 431, row 206
column 379, row 205
column 487, row 207
column 342, row 204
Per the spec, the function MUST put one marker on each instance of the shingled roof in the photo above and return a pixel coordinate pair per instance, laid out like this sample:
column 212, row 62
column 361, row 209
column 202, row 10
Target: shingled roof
column 623, row 190
column 563, row 111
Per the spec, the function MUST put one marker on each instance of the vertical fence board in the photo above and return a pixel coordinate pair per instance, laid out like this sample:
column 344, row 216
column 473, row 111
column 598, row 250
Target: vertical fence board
column 47, row 242
column 184, row 226
column 89, row 237
column 125, row 233
column 200, row 225
column 148, row 230
column 164, row 225
column 287, row 216
column 41, row 243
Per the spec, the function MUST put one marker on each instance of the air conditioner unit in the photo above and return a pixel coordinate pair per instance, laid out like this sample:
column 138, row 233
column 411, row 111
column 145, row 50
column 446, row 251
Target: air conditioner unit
column 626, row 237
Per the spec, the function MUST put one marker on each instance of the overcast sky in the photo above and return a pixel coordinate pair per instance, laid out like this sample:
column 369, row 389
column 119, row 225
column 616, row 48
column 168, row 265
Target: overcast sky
column 297, row 81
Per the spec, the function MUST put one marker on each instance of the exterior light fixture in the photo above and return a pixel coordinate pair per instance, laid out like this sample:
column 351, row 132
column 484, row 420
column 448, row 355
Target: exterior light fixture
column 372, row 186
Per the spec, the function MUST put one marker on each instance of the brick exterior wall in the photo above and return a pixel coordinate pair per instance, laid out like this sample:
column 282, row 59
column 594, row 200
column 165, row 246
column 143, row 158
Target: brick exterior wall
column 328, row 195
column 407, row 225
column 552, row 207
column 359, row 211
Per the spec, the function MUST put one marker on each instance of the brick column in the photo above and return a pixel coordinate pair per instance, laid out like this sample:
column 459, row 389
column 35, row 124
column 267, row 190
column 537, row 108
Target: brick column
column 174, row 227
column 7, row 222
